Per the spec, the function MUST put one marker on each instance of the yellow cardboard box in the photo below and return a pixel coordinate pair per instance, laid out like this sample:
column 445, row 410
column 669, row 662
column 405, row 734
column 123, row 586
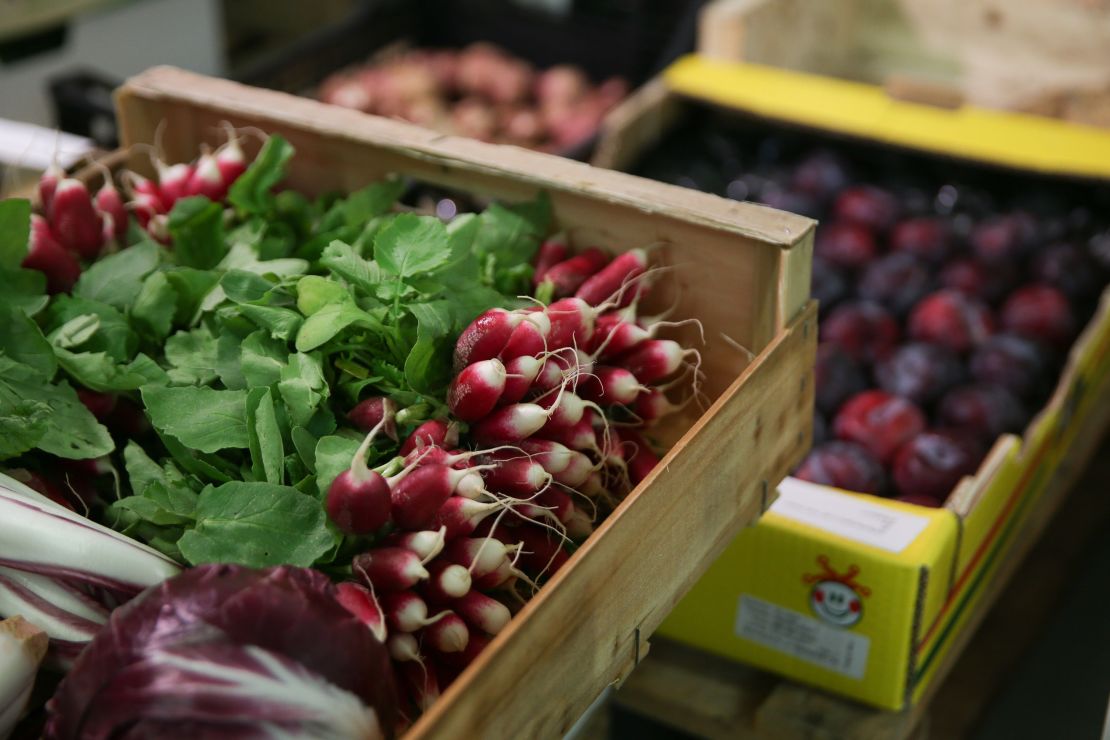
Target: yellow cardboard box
column 856, row 594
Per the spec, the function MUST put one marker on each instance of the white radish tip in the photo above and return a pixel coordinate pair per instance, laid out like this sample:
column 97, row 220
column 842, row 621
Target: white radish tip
column 453, row 638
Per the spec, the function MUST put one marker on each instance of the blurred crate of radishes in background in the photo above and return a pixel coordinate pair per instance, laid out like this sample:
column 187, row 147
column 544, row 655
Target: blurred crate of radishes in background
column 541, row 75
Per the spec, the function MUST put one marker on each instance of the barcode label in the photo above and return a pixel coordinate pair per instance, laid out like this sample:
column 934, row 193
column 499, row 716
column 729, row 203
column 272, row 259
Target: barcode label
column 802, row 636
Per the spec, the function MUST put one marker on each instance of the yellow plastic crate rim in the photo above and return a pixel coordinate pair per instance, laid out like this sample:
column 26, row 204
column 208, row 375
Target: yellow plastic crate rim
column 1000, row 137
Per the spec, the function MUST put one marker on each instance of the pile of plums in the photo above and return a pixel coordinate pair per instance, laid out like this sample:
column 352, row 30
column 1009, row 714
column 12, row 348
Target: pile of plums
column 949, row 293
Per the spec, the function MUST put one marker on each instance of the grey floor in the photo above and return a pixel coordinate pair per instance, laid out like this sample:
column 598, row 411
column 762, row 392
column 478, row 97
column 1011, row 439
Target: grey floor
column 1061, row 687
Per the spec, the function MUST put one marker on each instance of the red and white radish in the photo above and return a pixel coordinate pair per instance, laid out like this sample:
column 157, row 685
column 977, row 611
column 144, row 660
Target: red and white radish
column 359, row 499
column 360, row 602
column 145, row 190
column 419, row 495
column 448, row 635
column 553, row 503
column 656, row 359
column 520, row 375
column 572, row 323
column 48, row 183
column 474, row 646
column 553, row 456
column 403, row 648
column 370, row 412
column 611, row 385
column 100, row 405
column 206, row 179
column 110, row 203
column 614, row 278
column 579, row 525
column 552, row 251
column 529, row 338
column 515, row 475
column 230, row 158
column 566, row 408
column 388, row 569
column 510, row 424
column 427, row 544
column 580, row 436
column 641, row 459
column 420, row 682
column 47, row 256
column 460, row 516
column 476, row 389
column 480, row 555
column 434, row 433
column 173, row 181
column 541, row 550
column 485, row 336
column 74, row 219
column 568, row 276
column 652, row 405
column 405, row 611
column 446, row 581
column 577, row 471
column 482, row 612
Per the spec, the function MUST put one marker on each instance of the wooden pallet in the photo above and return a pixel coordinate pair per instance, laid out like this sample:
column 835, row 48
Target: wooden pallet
column 711, row 697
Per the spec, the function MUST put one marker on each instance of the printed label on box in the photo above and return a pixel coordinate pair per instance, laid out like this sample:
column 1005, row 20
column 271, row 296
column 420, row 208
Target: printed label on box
column 803, row 637
column 848, row 516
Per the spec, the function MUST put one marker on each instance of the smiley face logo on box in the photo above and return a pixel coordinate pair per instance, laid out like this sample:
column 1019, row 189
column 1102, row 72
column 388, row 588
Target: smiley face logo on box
column 836, row 597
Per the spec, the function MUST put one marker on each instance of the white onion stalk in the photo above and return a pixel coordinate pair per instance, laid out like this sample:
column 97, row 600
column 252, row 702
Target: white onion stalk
column 22, row 646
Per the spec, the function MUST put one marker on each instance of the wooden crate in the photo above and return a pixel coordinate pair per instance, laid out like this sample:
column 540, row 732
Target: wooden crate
column 742, row 269
column 1045, row 56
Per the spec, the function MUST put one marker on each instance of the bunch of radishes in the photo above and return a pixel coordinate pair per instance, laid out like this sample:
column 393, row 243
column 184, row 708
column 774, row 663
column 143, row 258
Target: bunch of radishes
column 546, row 404
column 211, row 175
column 482, row 92
column 75, row 226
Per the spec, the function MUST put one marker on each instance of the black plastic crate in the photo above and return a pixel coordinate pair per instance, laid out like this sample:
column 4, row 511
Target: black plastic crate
column 82, row 101
column 631, row 38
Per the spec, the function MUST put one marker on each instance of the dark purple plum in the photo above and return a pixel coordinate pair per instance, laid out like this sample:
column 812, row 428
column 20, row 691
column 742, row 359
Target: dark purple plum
column 983, row 410
column 926, row 238
column 1005, row 238
column 821, row 175
column 895, row 281
column 868, row 206
column 930, row 465
column 843, row 465
column 951, row 319
column 844, row 244
column 837, row 376
column 1040, row 312
column 973, row 278
column 867, row 331
column 920, row 371
column 1068, row 268
column 1012, row 362
column 789, row 200
column 879, row 421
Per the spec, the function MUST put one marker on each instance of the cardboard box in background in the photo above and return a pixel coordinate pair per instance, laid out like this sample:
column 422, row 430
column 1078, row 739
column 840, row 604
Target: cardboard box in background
column 863, row 596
